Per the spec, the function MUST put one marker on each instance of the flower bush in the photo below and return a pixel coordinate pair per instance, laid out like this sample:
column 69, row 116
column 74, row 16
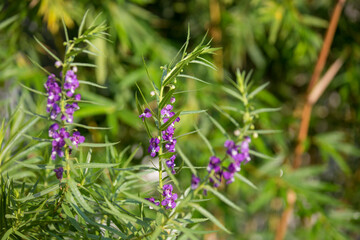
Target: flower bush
column 111, row 199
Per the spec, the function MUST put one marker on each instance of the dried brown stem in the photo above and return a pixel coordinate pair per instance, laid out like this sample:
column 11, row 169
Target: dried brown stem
column 306, row 113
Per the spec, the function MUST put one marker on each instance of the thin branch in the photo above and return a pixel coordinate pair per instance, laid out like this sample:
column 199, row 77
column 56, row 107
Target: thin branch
column 312, row 97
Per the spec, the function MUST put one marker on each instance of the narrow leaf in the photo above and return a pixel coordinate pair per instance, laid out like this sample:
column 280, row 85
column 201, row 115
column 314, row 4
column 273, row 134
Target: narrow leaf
column 78, row 196
column 223, row 198
column 211, row 217
column 47, row 50
column 258, row 89
column 186, row 160
column 39, row 194
column 94, row 145
column 92, row 84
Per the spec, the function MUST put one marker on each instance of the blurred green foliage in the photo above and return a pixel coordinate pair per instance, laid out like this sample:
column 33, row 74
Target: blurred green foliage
column 279, row 40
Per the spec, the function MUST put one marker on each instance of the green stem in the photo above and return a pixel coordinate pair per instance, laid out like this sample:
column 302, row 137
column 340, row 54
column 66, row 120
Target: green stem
column 161, row 147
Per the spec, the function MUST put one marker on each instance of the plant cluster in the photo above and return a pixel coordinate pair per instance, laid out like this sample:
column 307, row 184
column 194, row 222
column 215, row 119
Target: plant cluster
column 108, row 203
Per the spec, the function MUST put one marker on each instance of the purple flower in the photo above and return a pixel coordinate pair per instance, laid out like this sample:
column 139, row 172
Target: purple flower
column 229, row 174
column 77, row 97
column 232, row 149
column 170, row 146
column 169, row 200
column 154, row 146
column 194, row 182
column 71, row 83
column 145, row 114
column 53, row 128
column 59, row 172
column 214, row 164
column 153, row 201
column 55, row 111
column 167, row 190
column 58, row 64
column 171, row 163
column 76, row 139
column 166, row 111
column 56, row 150
column 172, row 100
column 59, row 142
column 54, row 90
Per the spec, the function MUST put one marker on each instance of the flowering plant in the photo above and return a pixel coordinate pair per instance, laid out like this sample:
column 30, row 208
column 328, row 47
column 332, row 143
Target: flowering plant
column 112, row 199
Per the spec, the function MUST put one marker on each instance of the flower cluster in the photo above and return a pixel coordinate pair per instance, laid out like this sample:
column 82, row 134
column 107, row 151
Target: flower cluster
column 169, row 198
column 54, row 91
column 71, row 83
column 54, row 95
column 145, row 114
column 195, row 181
column 238, row 154
column 215, row 165
column 157, row 203
column 168, row 134
column 154, row 146
column 59, row 173
column 58, row 142
column 68, row 116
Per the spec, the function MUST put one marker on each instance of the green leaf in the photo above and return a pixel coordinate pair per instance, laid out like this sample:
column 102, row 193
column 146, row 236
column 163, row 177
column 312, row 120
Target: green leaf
column 211, row 217
column 263, row 110
column 192, row 77
column 83, row 64
column 170, row 121
column 7, row 234
column 156, row 233
column 228, row 116
column 92, row 84
column 21, row 235
column 144, row 201
column 132, row 155
column 218, row 125
column 87, row 127
column 233, row 93
column 258, row 89
column 95, row 145
column 208, row 144
column 78, row 196
column 204, row 64
column 33, row 90
column 71, row 217
column 114, row 211
column 47, row 50
column 95, row 165
column 10, row 144
column 192, row 112
column 8, row 21
column 82, row 23
column 223, row 198
column 88, row 220
column 245, row 180
column 186, row 160
column 265, row 131
column 39, row 194
column 191, row 220
column 260, row 155
column 65, row 30
column 39, row 66
column 187, row 232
